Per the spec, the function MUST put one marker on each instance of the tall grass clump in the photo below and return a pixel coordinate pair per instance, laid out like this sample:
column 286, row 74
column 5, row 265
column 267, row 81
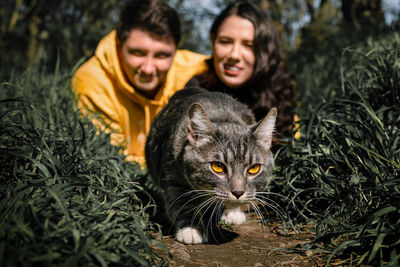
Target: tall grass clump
column 344, row 172
column 67, row 197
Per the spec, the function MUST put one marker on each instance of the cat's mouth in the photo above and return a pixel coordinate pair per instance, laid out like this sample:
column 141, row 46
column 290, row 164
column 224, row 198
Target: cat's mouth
column 235, row 204
column 230, row 203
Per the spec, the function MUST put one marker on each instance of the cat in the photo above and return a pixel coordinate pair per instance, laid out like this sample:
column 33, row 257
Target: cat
column 209, row 157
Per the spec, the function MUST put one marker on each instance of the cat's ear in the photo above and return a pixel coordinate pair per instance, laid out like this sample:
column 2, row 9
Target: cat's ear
column 265, row 129
column 199, row 125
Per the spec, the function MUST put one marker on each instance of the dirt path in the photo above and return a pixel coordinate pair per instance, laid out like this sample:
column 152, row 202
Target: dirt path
column 246, row 245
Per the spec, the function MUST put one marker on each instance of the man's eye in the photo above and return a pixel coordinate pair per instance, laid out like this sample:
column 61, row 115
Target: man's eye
column 137, row 53
column 249, row 45
column 163, row 55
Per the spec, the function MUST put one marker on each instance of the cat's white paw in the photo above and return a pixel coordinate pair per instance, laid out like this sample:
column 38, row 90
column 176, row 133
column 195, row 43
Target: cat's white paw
column 233, row 216
column 189, row 235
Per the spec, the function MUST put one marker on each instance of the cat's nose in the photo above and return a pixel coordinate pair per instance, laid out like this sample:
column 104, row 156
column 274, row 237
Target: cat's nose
column 237, row 194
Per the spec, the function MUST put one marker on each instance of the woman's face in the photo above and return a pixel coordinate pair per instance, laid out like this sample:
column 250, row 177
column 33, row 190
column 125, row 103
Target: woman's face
column 233, row 51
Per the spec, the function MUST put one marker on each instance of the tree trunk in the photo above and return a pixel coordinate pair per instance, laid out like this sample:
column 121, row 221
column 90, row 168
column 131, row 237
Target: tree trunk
column 8, row 26
column 32, row 50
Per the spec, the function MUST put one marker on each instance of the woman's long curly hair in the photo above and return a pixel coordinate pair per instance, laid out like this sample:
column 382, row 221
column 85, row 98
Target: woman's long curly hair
column 271, row 85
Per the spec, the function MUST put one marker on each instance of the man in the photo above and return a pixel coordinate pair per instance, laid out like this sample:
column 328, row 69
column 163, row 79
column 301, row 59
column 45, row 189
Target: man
column 135, row 70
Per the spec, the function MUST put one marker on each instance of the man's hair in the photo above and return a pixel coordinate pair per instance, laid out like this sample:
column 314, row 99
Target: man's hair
column 152, row 16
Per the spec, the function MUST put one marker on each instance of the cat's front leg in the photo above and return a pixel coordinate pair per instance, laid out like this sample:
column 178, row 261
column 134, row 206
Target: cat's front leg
column 189, row 235
column 233, row 216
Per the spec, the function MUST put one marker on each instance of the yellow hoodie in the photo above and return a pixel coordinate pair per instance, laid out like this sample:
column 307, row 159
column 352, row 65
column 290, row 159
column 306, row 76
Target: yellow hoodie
column 101, row 88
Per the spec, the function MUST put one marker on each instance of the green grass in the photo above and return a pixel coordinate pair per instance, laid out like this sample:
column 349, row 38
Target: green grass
column 344, row 173
column 68, row 198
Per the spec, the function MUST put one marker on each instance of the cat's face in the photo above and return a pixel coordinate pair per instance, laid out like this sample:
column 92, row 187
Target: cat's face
column 233, row 161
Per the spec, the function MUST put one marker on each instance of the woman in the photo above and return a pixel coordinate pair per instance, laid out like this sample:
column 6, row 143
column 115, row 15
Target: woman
column 248, row 63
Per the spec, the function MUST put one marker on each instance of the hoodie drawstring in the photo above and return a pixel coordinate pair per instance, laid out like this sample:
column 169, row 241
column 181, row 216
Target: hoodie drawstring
column 147, row 119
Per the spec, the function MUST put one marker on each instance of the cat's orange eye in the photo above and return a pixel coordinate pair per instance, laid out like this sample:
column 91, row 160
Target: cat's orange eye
column 218, row 167
column 254, row 169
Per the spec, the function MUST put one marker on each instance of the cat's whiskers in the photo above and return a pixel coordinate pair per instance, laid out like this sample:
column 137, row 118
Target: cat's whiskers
column 216, row 204
column 204, row 193
column 266, row 202
column 201, row 206
column 211, row 217
column 278, row 195
column 224, row 196
column 275, row 194
column 208, row 203
column 219, row 209
column 259, row 214
column 263, row 195
column 186, row 203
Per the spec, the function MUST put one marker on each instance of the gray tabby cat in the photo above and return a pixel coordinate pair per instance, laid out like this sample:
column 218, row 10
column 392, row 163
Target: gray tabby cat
column 209, row 157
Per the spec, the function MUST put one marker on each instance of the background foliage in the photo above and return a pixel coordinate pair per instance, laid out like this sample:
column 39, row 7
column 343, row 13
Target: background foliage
column 67, row 197
column 40, row 31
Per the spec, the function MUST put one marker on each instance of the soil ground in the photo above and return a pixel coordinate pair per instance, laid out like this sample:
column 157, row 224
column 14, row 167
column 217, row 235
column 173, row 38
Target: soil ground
column 249, row 244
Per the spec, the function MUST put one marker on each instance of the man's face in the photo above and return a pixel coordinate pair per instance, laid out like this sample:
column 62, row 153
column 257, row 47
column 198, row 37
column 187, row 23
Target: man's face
column 145, row 60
